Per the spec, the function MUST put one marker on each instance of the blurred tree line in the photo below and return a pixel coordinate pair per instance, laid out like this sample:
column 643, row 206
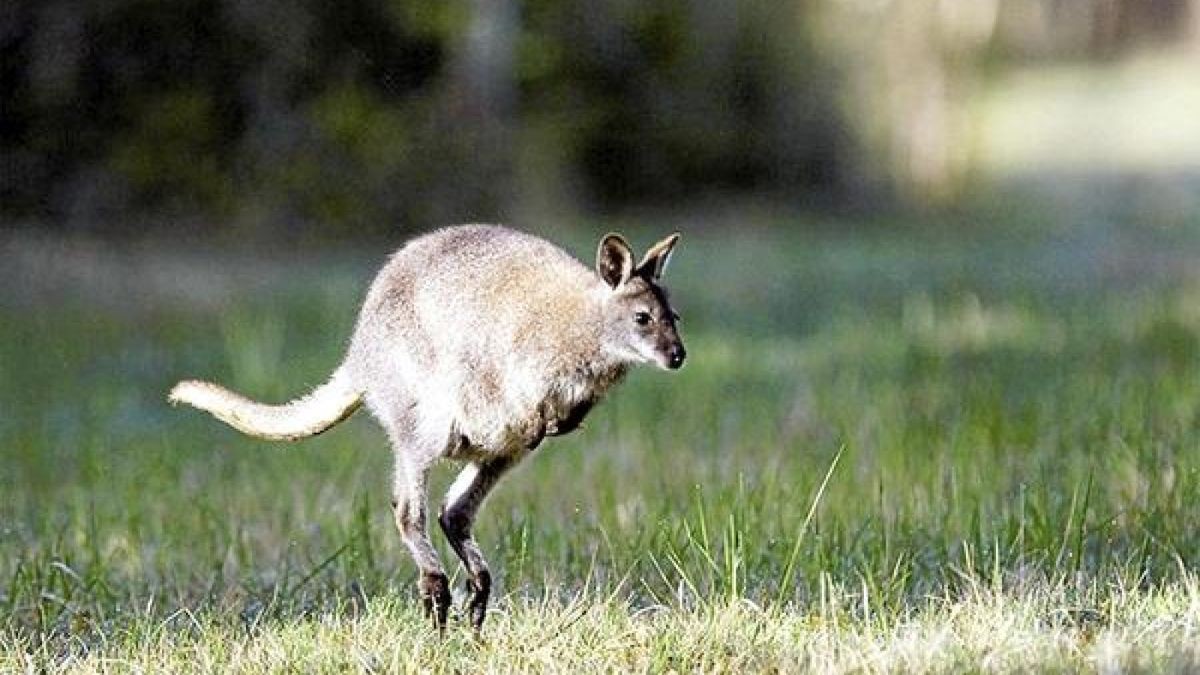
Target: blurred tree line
column 366, row 115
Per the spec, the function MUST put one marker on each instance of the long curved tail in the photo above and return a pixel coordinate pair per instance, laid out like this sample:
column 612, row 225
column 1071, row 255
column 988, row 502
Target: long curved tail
column 307, row 416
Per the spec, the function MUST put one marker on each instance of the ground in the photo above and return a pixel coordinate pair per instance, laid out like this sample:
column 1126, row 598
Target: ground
column 904, row 448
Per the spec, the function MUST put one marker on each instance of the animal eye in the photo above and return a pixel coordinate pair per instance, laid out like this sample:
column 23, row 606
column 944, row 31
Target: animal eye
column 641, row 318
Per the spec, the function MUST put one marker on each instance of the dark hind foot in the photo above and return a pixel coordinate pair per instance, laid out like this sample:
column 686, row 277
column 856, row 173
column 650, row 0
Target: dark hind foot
column 480, row 589
column 434, row 589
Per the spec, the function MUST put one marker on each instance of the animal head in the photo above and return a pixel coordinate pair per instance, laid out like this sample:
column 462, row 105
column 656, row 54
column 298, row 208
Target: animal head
column 640, row 325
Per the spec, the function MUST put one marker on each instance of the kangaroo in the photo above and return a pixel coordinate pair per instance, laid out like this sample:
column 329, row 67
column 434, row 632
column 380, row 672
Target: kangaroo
column 475, row 343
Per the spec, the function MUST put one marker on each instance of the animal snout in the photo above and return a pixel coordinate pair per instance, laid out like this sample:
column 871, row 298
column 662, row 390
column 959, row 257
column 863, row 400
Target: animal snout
column 676, row 356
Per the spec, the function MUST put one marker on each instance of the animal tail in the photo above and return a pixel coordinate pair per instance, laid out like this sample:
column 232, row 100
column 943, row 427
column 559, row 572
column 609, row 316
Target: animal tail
column 306, row 416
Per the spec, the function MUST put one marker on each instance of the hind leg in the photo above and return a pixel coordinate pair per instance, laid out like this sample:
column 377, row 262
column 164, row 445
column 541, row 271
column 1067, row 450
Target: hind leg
column 409, row 509
column 462, row 502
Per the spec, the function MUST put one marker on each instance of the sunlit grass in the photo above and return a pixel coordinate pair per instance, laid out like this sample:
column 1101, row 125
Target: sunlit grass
column 981, row 629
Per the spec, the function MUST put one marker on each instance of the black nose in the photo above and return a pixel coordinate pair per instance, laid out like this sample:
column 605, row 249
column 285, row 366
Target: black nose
column 675, row 356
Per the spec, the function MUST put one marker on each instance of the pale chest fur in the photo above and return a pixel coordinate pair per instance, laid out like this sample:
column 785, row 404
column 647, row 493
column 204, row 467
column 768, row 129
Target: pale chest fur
column 572, row 397
column 547, row 406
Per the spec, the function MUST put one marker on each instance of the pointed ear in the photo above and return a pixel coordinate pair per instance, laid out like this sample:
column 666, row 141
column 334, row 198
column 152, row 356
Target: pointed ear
column 614, row 260
column 655, row 261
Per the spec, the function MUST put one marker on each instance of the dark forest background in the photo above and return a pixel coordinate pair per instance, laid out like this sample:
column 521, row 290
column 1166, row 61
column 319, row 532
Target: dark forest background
column 364, row 116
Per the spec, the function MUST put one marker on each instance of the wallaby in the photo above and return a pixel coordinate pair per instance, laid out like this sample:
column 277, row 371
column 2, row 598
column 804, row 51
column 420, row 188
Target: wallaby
column 475, row 343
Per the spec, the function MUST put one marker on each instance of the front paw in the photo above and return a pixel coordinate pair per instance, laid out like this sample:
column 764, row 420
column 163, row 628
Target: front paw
column 533, row 432
column 571, row 421
column 562, row 427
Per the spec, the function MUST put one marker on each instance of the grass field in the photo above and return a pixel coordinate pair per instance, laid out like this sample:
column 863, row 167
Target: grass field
column 941, row 449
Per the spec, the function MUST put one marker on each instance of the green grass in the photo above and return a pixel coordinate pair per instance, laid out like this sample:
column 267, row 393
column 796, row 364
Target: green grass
column 897, row 450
